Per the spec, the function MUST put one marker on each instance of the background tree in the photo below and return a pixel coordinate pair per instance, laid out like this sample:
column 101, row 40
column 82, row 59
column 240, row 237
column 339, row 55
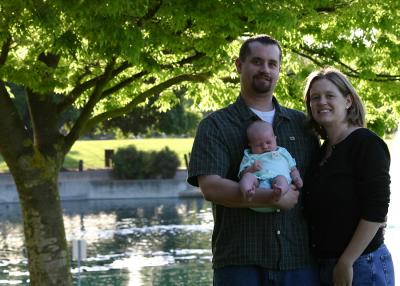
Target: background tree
column 106, row 57
column 177, row 118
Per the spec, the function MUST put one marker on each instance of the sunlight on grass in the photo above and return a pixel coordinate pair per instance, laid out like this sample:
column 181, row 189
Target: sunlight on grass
column 92, row 151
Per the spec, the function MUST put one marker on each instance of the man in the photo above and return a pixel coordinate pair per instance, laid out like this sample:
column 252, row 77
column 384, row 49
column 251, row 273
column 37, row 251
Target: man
column 252, row 248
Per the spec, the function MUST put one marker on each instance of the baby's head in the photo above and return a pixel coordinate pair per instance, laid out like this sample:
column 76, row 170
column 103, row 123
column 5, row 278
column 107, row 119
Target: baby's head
column 261, row 137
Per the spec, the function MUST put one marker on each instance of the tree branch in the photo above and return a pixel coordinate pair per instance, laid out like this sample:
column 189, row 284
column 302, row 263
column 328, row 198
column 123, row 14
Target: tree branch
column 81, row 88
column 143, row 96
column 182, row 62
column 4, row 50
column 334, row 8
column 51, row 60
column 11, row 147
column 88, row 108
column 139, row 75
column 150, row 14
column 123, row 84
column 348, row 70
column 44, row 120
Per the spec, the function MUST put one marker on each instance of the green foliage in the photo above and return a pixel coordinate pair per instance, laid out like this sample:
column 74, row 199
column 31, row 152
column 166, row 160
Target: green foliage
column 179, row 118
column 165, row 163
column 163, row 40
column 130, row 163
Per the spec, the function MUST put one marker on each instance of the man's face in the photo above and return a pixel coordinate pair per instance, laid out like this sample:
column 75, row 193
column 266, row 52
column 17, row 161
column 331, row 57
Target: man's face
column 259, row 72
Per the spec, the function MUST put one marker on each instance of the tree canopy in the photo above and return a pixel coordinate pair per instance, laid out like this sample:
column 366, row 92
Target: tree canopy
column 132, row 49
column 106, row 57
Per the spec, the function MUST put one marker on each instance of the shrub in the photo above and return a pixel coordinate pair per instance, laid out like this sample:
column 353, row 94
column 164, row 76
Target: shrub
column 165, row 163
column 130, row 163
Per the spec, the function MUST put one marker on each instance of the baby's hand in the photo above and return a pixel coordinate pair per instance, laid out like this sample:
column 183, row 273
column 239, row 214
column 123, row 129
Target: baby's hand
column 257, row 166
column 298, row 182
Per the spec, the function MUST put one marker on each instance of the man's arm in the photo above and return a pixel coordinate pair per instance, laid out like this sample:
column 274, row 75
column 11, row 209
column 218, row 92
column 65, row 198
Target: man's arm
column 227, row 193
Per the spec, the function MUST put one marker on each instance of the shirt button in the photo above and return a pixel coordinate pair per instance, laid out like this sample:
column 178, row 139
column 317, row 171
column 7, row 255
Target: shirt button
column 278, row 232
column 313, row 245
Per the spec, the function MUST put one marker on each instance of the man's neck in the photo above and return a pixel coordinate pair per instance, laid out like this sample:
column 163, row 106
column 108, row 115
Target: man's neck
column 261, row 103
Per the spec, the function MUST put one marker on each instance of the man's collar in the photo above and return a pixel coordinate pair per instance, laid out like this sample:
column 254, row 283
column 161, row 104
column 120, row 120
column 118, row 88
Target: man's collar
column 247, row 113
column 243, row 109
column 280, row 111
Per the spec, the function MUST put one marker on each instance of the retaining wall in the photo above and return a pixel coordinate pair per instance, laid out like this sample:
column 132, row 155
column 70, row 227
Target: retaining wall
column 99, row 185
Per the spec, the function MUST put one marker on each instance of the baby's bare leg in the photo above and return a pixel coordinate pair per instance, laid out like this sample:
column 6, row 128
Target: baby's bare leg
column 280, row 183
column 248, row 184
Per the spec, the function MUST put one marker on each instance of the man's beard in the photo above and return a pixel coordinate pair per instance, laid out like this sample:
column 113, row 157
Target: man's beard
column 262, row 87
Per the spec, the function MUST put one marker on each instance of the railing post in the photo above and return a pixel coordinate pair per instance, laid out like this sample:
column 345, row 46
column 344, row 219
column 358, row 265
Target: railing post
column 108, row 154
column 80, row 165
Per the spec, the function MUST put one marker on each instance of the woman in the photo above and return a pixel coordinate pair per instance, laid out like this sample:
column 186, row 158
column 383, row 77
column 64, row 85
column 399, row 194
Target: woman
column 346, row 191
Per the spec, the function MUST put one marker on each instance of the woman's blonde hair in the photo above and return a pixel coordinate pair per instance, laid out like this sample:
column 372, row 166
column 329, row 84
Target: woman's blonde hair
column 355, row 113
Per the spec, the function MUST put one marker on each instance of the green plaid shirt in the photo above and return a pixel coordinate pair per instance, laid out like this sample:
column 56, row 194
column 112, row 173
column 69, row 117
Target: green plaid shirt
column 276, row 241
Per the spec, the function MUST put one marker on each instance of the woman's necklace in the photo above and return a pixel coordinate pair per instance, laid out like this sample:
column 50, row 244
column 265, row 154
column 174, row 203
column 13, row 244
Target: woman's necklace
column 331, row 143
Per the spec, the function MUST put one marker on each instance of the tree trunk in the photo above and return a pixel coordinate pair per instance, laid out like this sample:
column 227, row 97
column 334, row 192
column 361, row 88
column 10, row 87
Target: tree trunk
column 45, row 240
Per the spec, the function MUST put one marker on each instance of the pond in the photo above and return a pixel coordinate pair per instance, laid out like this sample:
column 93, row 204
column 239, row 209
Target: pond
column 129, row 242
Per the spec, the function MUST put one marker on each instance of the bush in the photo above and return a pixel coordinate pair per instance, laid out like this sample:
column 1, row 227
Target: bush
column 165, row 163
column 130, row 163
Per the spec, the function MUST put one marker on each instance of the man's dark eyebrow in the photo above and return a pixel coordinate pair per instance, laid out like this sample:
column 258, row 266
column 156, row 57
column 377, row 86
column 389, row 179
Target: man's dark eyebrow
column 256, row 58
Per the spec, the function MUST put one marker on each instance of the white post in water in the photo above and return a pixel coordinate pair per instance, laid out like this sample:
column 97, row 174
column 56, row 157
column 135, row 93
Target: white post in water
column 79, row 253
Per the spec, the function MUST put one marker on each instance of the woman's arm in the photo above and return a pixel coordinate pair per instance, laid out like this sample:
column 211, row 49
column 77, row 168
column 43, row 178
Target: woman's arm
column 364, row 233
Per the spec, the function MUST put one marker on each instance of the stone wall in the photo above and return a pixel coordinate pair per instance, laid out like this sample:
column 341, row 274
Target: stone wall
column 100, row 185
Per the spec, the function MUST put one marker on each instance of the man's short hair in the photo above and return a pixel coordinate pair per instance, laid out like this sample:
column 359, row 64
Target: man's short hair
column 263, row 39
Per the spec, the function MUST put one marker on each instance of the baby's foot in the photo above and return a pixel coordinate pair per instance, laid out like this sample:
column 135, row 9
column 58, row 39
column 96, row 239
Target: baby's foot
column 250, row 193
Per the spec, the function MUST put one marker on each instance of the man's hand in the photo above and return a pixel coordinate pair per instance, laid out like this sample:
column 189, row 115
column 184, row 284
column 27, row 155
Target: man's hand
column 298, row 182
column 289, row 200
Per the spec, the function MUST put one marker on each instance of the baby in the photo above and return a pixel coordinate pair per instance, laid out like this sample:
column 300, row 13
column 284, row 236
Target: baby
column 266, row 165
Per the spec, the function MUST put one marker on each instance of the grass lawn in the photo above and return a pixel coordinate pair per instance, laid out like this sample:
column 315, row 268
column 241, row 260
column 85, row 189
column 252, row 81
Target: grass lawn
column 92, row 151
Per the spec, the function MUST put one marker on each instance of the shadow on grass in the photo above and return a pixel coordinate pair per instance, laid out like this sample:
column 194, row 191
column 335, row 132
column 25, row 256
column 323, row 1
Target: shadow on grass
column 71, row 163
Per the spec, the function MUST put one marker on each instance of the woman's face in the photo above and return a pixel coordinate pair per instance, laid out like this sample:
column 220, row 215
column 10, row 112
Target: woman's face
column 328, row 105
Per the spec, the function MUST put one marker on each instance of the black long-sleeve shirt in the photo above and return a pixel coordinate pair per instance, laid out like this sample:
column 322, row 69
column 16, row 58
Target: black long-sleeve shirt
column 352, row 184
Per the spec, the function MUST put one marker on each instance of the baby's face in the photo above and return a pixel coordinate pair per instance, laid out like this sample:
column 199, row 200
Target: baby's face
column 262, row 142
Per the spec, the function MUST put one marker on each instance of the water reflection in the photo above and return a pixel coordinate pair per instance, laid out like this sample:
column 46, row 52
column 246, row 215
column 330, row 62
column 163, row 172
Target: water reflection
column 129, row 242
